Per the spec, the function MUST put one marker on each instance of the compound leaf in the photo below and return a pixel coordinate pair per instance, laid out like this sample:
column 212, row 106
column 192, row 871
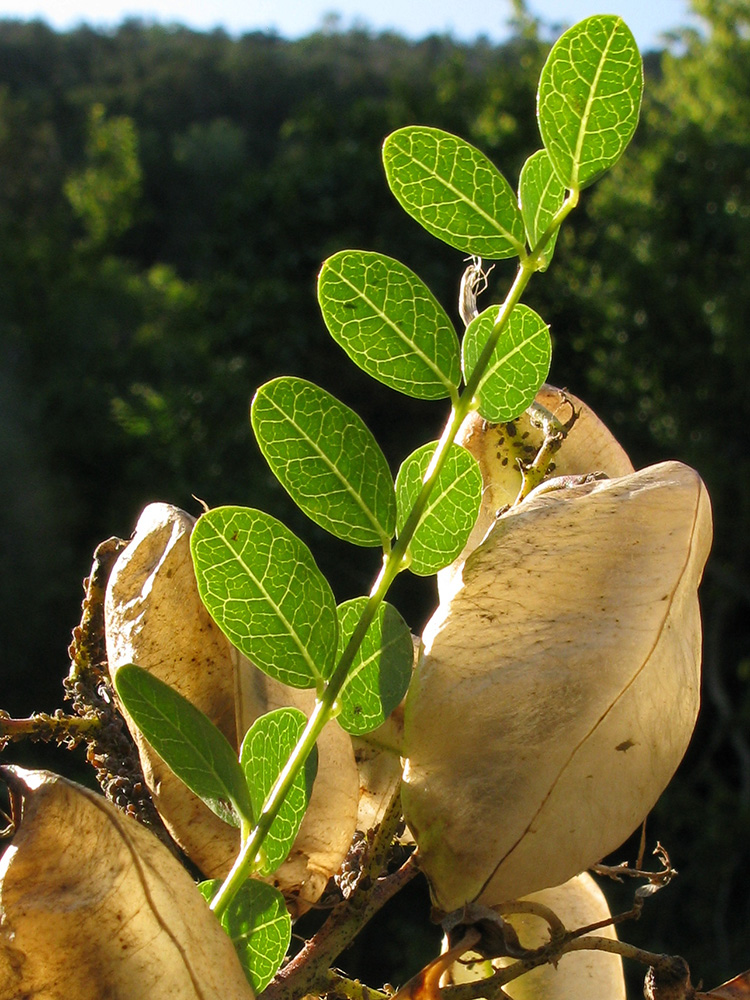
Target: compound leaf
column 541, row 194
column 327, row 460
column 454, row 192
column 188, row 742
column 451, row 511
column 380, row 673
column 264, row 590
column 260, row 927
column 265, row 750
column 389, row 323
column 518, row 366
column 589, row 98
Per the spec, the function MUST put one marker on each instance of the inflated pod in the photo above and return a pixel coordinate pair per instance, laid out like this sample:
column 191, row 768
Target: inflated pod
column 588, row 447
column 577, row 975
column 331, row 817
column 93, row 905
column 559, row 684
column 154, row 617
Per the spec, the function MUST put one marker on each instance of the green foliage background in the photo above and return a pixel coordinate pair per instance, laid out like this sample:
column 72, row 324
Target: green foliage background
column 166, row 200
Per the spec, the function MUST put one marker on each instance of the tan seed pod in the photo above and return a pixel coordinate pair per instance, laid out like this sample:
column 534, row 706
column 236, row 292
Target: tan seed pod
column 330, row 820
column 92, row 905
column 577, row 975
column 155, row 618
column 559, row 684
column 588, row 447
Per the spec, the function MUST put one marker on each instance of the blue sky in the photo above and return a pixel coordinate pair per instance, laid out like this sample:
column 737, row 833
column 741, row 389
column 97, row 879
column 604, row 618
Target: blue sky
column 648, row 19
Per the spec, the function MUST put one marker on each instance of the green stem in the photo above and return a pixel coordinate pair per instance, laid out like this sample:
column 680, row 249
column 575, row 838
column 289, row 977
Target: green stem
column 394, row 561
column 245, row 862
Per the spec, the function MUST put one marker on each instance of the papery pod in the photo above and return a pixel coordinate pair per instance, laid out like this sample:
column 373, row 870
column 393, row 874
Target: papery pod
column 378, row 757
column 92, row 905
column 588, row 447
column 330, row 820
column 577, row 975
column 559, row 684
column 154, row 617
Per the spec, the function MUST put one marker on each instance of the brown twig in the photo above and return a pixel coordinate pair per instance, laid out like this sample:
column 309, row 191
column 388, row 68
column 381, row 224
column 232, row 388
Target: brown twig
column 309, row 970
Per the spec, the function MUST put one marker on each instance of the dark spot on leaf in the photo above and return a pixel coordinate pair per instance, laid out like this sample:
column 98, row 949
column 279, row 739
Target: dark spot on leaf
column 625, row 746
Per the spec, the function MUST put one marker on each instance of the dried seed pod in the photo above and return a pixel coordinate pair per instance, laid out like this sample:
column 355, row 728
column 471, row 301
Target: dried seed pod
column 93, row 905
column 587, row 447
column 577, row 975
column 559, row 684
column 330, row 820
column 155, row 618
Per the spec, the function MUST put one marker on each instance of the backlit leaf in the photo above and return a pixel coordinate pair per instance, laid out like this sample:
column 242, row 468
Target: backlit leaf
column 589, row 98
column 454, row 191
column 447, row 520
column 327, row 460
column 389, row 323
column 380, row 673
column 541, row 194
column 518, row 365
column 260, row 927
column 264, row 590
column 265, row 750
column 187, row 741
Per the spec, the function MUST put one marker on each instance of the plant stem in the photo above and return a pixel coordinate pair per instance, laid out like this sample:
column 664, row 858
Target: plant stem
column 70, row 729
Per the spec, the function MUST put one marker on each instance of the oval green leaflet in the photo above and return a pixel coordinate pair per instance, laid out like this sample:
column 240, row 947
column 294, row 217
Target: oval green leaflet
column 381, row 670
column 389, row 323
column 188, row 742
column 589, row 98
column 517, row 367
column 260, row 927
column 326, row 458
column 454, row 192
column 541, row 194
column 265, row 750
column 446, row 522
column 264, row 590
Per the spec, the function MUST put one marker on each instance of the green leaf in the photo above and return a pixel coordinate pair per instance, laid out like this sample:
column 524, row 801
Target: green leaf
column 454, row 191
column 518, row 366
column 541, row 194
column 327, row 460
column 451, row 511
column 266, row 748
column 263, row 589
column 389, row 323
column 381, row 671
column 187, row 741
column 260, row 927
column 589, row 98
